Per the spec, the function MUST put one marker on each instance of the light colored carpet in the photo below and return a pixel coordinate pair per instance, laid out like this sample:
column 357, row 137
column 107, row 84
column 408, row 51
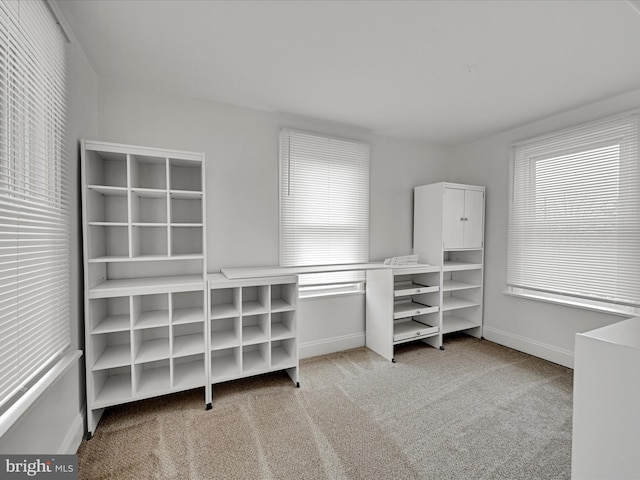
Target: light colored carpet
column 474, row 411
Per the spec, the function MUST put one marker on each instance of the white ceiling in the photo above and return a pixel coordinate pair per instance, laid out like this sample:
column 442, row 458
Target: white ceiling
column 442, row 71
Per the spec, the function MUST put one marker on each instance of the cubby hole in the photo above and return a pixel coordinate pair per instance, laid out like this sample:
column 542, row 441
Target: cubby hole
column 148, row 172
column 225, row 333
column 149, row 241
column 111, row 350
column 186, row 211
column 188, row 372
column 185, row 175
column 108, row 241
column 283, row 297
column 255, row 358
column 112, row 386
column 225, row 364
column 152, row 378
column 147, row 209
column 188, row 339
column 255, row 329
column 188, row 307
column 151, row 344
column 157, row 268
column 186, row 241
column 225, row 302
column 283, row 353
column 106, row 168
column 255, row 300
column 150, row 311
column 282, row 325
column 107, row 207
column 462, row 256
column 109, row 315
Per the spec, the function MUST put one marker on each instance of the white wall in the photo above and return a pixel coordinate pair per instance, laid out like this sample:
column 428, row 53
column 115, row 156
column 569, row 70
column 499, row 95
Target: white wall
column 542, row 329
column 241, row 149
column 55, row 423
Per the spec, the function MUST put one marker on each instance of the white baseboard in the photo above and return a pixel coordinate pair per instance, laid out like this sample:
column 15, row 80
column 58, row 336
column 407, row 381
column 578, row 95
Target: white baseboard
column 74, row 436
column 532, row 347
column 331, row 345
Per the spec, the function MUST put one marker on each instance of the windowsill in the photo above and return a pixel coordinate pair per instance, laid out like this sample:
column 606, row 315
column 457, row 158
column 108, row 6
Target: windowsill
column 575, row 303
column 13, row 413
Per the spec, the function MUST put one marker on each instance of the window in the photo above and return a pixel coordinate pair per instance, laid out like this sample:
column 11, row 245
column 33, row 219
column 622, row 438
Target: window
column 324, row 209
column 34, row 206
column 574, row 217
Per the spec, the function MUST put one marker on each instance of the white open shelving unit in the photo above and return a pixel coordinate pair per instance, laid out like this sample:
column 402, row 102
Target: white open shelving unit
column 402, row 305
column 449, row 233
column 253, row 326
column 144, row 249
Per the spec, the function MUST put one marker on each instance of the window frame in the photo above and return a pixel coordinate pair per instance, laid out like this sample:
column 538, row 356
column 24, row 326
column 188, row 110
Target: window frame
column 627, row 155
column 330, row 283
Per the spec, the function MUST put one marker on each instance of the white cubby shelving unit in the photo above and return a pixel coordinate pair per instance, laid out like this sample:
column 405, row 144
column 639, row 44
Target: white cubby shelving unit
column 449, row 233
column 253, row 326
column 144, row 274
column 402, row 305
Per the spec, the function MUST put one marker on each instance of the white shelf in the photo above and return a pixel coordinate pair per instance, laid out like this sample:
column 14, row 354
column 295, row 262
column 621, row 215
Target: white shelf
column 407, row 330
column 184, row 345
column 109, row 190
column 113, row 356
column 140, row 286
column 451, row 285
column 280, row 358
column 253, row 361
column 450, row 266
column 253, row 308
column 117, row 389
column 112, row 323
column 253, row 334
column 224, row 367
column 279, row 331
column 189, row 375
column 409, row 309
column 280, row 305
column 227, row 310
column 185, row 195
column 152, row 350
column 183, row 316
column 156, row 318
column 222, row 339
column 413, row 289
column 153, row 381
column 454, row 303
column 452, row 324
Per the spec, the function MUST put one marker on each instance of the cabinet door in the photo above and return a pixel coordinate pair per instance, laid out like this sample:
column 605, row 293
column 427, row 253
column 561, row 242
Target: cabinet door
column 473, row 215
column 453, row 218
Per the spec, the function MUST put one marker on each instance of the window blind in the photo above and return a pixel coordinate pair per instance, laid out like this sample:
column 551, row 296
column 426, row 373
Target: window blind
column 574, row 216
column 34, row 206
column 324, row 204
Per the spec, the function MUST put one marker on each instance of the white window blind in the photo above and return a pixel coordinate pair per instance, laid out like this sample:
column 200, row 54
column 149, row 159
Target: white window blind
column 324, row 205
column 34, row 207
column 574, row 216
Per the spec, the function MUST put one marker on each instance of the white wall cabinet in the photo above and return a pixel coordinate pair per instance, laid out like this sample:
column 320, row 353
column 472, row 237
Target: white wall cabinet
column 253, row 326
column 144, row 273
column 463, row 214
column 449, row 233
column 402, row 305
